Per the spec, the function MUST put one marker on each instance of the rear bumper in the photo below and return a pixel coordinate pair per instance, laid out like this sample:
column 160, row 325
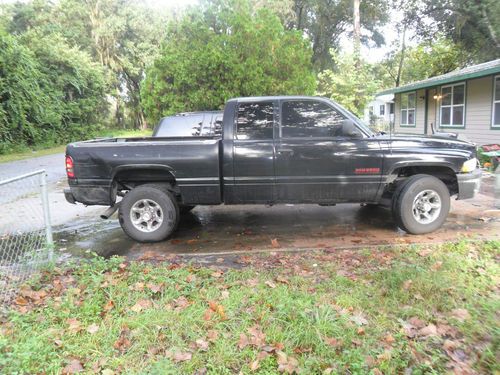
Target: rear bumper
column 89, row 195
column 468, row 184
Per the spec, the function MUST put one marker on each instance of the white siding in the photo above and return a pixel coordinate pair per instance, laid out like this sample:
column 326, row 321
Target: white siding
column 478, row 112
column 478, row 107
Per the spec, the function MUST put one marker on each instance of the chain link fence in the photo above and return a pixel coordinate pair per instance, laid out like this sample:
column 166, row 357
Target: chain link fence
column 25, row 231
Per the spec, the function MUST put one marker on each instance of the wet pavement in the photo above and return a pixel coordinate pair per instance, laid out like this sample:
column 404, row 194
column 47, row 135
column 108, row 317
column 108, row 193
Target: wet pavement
column 209, row 231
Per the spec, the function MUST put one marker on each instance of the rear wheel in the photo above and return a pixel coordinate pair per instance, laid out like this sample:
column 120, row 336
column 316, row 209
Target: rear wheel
column 421, row 204
column 149, row 213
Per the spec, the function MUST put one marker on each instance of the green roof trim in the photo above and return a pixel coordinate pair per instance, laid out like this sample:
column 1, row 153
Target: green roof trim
column 475, row 71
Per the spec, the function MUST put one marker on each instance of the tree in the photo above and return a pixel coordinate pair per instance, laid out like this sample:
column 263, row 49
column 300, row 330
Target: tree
column 49, row 92
column 221, row 51
column 351, row 87
column 327, row 21
column 427, row 59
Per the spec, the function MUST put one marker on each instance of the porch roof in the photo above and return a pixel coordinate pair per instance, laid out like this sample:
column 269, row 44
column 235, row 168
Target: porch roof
column 474, row 71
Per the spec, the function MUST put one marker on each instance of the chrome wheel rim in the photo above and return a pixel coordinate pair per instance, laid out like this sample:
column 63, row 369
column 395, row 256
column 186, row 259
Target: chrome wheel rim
column 146, row 215
column 426, row 206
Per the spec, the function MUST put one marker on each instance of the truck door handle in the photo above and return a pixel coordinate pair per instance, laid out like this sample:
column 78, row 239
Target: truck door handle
column 285, row 151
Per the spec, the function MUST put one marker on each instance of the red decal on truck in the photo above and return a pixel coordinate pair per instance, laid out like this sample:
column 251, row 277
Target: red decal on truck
column 367, row 170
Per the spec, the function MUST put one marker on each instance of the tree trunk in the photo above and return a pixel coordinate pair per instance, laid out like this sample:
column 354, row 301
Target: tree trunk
column 401, row 59
column 357, row 33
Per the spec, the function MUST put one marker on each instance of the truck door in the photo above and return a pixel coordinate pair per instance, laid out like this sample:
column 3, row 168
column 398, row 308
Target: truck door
column 253, row 152
column 317, row 163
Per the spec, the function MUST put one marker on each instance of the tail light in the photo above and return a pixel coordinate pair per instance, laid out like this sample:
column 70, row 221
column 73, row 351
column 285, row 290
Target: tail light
column 69, row 167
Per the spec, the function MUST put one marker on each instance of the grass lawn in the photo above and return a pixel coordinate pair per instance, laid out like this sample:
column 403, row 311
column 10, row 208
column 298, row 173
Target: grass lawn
column 27, row 154
column 401, row 310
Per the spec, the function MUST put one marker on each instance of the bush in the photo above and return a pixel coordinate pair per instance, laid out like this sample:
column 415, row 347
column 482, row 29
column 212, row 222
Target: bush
column 208, row 59
column 50, row 93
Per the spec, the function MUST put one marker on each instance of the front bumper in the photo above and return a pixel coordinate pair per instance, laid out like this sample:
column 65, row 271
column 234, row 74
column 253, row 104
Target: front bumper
column 468, row 184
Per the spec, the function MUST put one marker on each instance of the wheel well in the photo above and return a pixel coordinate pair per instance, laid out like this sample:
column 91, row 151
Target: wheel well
column 130, row 178
column 445, row 174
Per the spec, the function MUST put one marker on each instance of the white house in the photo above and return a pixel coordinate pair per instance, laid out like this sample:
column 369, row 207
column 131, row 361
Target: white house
column 465, row 101
column 380, row 111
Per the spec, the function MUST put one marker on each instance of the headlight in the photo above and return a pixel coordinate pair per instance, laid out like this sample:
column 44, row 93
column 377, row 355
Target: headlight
column 469, row 165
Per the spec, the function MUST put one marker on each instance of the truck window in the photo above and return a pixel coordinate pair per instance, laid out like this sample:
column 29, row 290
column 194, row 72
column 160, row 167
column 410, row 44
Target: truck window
column 180, row 126
column 217, row 126
column 255, row 121
column 309, row 118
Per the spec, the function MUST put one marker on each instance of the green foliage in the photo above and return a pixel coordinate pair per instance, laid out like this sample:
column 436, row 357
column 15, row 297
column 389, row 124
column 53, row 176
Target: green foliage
column 427, row 59
column 350, row 85
column 217, row 54
column 49, row 92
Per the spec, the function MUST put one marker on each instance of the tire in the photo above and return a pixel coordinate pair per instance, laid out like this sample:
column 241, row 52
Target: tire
column 421, row 204
column 155, row 211
column 185, row 209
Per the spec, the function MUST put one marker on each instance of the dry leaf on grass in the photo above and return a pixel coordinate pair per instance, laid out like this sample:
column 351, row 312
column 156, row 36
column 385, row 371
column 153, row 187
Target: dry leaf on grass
column 93, row 328
column 142, row 304
column 73, row 367
column 286, row 363
column 460, row 314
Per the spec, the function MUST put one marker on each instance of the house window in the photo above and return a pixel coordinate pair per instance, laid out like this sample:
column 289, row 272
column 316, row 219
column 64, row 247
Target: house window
column 382, row 110
column 496, row 103
column 408, row 109
column 453, row 105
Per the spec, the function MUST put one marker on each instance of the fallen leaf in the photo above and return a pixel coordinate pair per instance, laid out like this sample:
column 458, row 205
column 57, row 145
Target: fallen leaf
column 93, row 328
column 202, row 344
column 359, row 319
column 436, row 266
column 407, row 284
column 123, row 343
column 425, row 252
column 212, row 335
column 361, row 331
column 427, row 331
column 74, row 325
column 225, row 294
column 274, row 243
column 389, row 339
column 179, row 356
column 155, row 288
column 21, row 301
column 332, row 341
column 460, row 314
column 243, row 341
column 73, row 367
column 254, row 365
column 270, row 284
column 286, row 363
column 109, row 305
column 181, row 303
column 257, row 337
column 142, row 304
column 217, row 308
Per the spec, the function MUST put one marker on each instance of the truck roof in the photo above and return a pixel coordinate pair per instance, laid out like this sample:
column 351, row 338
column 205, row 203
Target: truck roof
column 277, row 97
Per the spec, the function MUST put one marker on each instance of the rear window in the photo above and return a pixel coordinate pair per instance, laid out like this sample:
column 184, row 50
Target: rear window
column 181, row 126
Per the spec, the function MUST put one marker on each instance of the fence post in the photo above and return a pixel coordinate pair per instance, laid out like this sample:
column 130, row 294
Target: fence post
column 46, row 216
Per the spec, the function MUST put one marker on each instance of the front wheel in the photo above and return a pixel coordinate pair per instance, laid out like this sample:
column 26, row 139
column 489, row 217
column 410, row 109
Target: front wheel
column 421, row 205
column 149, row 213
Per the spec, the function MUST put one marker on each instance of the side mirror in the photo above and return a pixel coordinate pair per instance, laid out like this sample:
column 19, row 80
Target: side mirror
column 350, row 130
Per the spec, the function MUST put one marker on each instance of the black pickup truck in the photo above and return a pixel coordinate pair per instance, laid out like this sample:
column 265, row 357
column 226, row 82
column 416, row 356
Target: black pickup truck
column 273, row 150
